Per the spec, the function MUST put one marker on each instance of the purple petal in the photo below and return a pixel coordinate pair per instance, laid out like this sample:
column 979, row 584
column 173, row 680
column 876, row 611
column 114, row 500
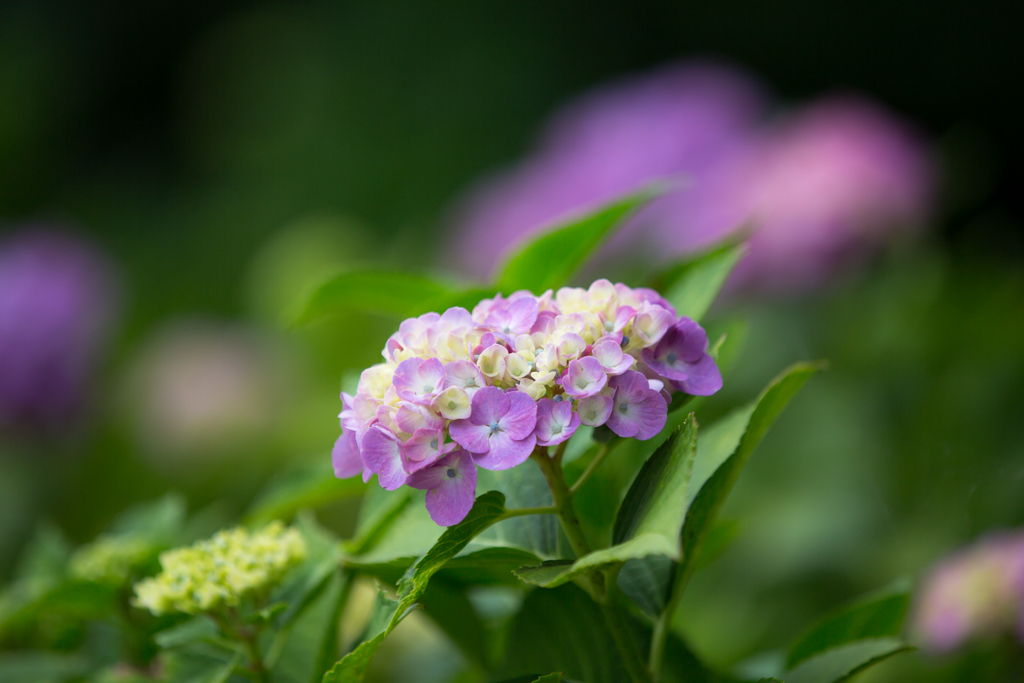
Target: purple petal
column 640, row 419
column 465, row 375
column 523, row 314
column 695, row 339
column 584, row 377
column 489, row 405
column 521, row 417
column 451, row 487
column 505, row 453
column 419, row 380
column 424, row 448
column 472, row 437
column 595, row 410
column 412, row 417
column 556, row 422
column 382, row 455
column 345, row 456
column 703, row 378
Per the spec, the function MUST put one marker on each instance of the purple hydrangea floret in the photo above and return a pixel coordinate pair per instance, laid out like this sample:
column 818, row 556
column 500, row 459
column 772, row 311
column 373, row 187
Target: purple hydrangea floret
column 485, row 388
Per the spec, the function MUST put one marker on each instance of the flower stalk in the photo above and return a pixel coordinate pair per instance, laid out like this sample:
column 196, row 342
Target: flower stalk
column 600, row 585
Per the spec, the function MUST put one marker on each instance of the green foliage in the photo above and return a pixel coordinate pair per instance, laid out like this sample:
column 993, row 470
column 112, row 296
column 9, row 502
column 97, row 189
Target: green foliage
column 310, row 487
column 876, row 616
column 702, row 512
column 841, row 663
column 650, row 518
column 550, row 260
column 487, row 509
column 41, row 667
column 562, row 630
column 692, row 285
column 395, row 293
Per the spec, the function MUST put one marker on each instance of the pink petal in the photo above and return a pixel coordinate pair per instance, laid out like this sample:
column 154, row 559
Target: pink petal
column 424, row 448
column 419, row 380
column 595, row 410
column 465, row 375
column 504, row 453
column 489, row 405
column 472, row 437
column 556, row 422
column 521, row 417
column 345, row 456
column 451, row 487
column 584, row 377
column 412, row 417
column 383, row 456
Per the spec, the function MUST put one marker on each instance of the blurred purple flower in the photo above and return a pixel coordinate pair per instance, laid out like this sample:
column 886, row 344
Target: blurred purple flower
column 57, row 306
column 816, row 189
column 677, row 122
column 978, row 592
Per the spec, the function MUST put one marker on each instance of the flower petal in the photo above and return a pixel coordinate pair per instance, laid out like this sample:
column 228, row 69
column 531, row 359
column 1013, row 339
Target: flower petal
column 472, row 437
column 504, row 453
column 382, row 455
column 584, row 377
column 451, row 487
column 703, row 378
column 345, row 456
column 489, row 405
column 595, row 410
column 521, row 417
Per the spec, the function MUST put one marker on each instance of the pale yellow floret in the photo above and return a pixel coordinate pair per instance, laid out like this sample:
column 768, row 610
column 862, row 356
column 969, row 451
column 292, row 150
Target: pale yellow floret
column 518, row 366
column 222, row 570
column 376, row 380
column 453, row 403
column 492, row 361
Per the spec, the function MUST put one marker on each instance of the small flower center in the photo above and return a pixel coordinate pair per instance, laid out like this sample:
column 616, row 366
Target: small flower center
column 470, row 383
column 494, row 427
column 623, row 407
column 452, row 405
column 625, row 341
column 433, row 444
column 451, row 472
column 556, row 428
column 427, row 388
column 671, row 358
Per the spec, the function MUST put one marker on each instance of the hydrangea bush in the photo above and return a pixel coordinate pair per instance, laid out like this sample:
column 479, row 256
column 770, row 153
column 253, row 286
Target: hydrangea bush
column 597, row 537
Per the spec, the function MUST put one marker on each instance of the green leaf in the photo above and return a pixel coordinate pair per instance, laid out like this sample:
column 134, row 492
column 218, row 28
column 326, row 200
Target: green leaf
column 650, row 518
column 40, row 667
column 304, row 488
column 842, row 663
column 746, row 434
column 395, row 293
column 550, row 678
column 160, row 520
column 304, row 583
column 450, row 608
column 693, row 285
column 202, row 667
column 196, row 629
column 551, row 259
column 313, row 635
column 487, row 509
column 878, row 615
column 561, row 630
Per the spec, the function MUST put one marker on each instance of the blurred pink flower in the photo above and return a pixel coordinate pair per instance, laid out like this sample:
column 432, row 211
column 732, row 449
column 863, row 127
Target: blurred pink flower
column 978, row 592
column 816, row 188
column 675, row 123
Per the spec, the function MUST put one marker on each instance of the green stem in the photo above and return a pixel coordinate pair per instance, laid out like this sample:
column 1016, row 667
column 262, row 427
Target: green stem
column 233, row 627
column 599, row 585
column 602, row 453
column 563, row 502
column 522, row 512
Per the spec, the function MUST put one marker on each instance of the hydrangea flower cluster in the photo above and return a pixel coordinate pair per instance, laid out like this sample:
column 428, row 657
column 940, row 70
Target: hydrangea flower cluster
column 111, row 559
column 460, row 390
column 976, row 593
column 222, row 570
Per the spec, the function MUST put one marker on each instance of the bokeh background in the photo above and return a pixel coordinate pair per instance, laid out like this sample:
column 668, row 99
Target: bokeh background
column 176, row 176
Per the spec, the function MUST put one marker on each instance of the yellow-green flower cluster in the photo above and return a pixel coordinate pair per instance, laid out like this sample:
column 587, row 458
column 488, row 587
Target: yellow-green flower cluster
column 111, row 559
column 222, row 570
